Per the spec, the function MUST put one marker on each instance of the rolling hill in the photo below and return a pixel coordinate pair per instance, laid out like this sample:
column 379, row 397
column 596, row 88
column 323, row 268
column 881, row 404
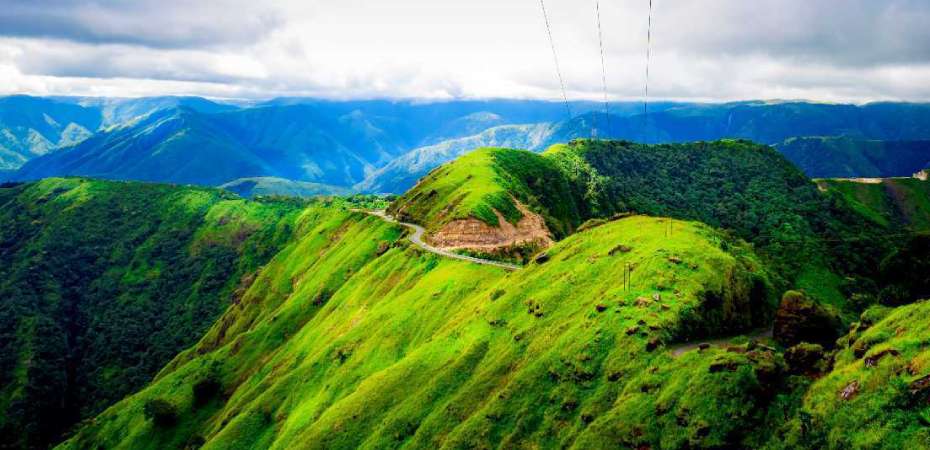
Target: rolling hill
column 747, row 189
column 900, row 202
column 359, row 348
column 343, row 334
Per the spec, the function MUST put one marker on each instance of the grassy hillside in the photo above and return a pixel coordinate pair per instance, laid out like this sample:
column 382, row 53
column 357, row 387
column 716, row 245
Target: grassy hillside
column 876, row 395
column 900, row 202
column 103, row 283
column 490, row 179
column 373, row 344
column 747, row 189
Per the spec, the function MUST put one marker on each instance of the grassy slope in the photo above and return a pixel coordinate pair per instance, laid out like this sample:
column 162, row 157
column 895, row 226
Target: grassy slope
column 104, row 282
column 895, row 201
column 488, row 179
column 883, row 413
column 334, row 346
column 748, row 189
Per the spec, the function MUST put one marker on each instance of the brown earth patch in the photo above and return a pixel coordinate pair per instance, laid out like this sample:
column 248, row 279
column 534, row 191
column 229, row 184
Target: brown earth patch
column 473, row 234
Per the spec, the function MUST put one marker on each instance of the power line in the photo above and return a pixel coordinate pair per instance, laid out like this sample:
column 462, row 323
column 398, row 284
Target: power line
column 600, row 42
column 555, row 58
column 646, row 88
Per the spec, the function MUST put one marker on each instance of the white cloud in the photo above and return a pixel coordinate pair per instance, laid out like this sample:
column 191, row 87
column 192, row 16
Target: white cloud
column 840, row 50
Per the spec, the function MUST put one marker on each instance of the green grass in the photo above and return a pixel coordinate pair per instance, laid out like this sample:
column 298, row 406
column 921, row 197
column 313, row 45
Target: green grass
column 486, row 181
column 336, row 346
column 812, row 240
column 895, row 201
column 883, row 413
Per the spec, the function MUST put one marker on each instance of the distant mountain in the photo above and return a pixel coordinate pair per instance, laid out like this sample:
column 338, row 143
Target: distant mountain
column 403, row 172
column 333, row 143
column 762, row 122
column 385, row 146
column 175, row 146
column 832, row 157
column 258, row 186
column 33, row 126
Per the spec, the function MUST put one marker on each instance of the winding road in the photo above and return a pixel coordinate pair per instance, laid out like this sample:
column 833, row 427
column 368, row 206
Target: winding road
column 417, row 239
column 678, row 350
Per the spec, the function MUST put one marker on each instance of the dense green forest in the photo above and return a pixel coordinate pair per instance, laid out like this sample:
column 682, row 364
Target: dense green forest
column 104, row 282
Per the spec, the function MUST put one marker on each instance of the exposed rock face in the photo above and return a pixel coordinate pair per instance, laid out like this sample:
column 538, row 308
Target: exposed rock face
column 473, row 234
column 800, row 319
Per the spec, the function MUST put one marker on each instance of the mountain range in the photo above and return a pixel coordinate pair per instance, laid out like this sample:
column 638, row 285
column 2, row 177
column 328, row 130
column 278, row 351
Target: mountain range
column 386, row 146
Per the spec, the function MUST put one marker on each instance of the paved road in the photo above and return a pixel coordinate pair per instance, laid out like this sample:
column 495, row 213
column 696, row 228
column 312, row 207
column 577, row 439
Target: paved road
column 417, row 239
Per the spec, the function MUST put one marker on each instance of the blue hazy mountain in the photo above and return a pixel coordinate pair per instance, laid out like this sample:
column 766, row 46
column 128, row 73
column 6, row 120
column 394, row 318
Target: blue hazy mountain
column 833, row 157
column 327, row 142
column 385, row 146
column 34, row 126
column 31, row 127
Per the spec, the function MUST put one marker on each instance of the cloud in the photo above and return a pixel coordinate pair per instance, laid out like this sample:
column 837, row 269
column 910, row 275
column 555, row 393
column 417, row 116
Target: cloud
column 830, row 50
column 150, row 23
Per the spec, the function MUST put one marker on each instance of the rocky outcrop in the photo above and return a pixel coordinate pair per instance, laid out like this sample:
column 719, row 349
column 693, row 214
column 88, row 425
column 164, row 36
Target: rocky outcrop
column 806, row 359
column 800, row 319
column 473, row 234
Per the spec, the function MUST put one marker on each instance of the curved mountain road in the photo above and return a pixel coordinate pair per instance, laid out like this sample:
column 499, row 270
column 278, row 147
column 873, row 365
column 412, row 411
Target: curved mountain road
column 680, row 349
column 417, row 239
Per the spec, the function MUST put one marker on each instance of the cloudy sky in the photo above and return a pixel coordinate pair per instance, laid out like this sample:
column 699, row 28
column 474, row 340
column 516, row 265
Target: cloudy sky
column 709, row 50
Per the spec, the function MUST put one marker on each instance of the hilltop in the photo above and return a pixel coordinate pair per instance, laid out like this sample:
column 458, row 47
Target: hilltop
column 747, row 189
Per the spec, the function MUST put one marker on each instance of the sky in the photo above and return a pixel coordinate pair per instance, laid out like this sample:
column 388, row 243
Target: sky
column 702, row 50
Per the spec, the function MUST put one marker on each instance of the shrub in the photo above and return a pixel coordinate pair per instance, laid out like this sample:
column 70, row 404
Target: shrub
column 205, row 390
column 161, row 412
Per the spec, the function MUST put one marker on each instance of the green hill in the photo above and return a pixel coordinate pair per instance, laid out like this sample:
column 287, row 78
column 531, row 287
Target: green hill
column 899, row 202
column 747, row 189
column 103, row 283
column 373, row 345
column 339, row 333
column 876, row 395
column 488, row 180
